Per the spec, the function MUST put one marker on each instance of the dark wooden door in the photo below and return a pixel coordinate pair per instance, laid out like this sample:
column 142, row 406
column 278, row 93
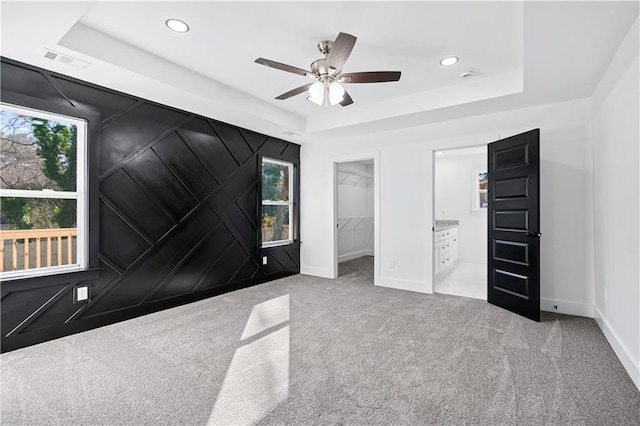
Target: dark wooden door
column 514, row 224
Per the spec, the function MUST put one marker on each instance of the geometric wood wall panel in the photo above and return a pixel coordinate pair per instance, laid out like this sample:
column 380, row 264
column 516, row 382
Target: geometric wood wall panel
column 156, row 178
column 59, row 310
column 29, row 83
column 142, row 277
column 185, row 165
column 118, row 241
column 255, row 140
column 27, row 301
column 281, row 259
column 232, row 139
column 178, row 210
column 108, row 103
column 136, row 205
column 208, row 147
column 133, row 130
column 185, row 277
column 224, row 268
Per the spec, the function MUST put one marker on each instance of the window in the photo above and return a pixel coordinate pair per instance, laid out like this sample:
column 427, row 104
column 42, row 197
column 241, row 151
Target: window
column 42, row 193
column 480, row 186
column 277, row 202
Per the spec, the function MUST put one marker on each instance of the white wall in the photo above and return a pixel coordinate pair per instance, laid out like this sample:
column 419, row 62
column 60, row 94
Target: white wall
column 454, row 199
column 616, row 191
column 355, row 212
column 406, row 202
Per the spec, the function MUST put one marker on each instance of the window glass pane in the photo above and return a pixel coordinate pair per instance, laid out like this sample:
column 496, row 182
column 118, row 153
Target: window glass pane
column 484, row 200
column 275, row 182
column 37, row 232
column 36, row 153
column 275, row 223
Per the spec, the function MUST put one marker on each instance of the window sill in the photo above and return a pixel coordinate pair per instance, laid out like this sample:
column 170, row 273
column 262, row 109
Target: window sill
column 283, row 244
column 76, row 272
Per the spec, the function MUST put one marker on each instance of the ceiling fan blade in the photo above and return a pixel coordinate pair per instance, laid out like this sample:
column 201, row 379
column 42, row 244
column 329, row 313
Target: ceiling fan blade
column 340, row 51
column 370, row 77
column 284, row 67
column 346, row 100
column 295, row 91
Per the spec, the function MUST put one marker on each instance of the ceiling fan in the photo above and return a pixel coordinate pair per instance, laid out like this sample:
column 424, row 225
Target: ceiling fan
column 328, row 74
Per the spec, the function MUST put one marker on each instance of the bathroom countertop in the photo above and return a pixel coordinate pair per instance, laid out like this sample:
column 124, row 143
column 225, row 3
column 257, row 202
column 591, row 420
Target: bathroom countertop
column 441, row 225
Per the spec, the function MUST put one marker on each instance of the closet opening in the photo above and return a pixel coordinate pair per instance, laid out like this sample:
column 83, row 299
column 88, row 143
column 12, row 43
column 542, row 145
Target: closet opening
column 460, row 228
column 355, row 221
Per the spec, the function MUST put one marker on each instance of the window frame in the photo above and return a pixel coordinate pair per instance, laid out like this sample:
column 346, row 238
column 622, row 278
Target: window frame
column 290, row 203
column 80, row 194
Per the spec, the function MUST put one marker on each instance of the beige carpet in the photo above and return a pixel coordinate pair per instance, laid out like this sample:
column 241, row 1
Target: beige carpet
column 305, row 350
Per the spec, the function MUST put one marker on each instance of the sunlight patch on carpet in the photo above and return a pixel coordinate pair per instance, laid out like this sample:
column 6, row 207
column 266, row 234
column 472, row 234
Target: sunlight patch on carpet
column 258, row 377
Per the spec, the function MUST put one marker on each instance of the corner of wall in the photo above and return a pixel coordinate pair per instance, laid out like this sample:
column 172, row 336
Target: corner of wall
column 629, row 362
column 614, row 134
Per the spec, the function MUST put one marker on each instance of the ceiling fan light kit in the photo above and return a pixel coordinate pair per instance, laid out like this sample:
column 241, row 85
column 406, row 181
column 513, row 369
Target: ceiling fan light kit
column 327, row 72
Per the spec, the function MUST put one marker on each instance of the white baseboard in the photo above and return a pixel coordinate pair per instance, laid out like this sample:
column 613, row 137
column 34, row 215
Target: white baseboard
column 622, row 351
column 399, row 284
column 566, row 307
column 354, row 255
column 316, row 272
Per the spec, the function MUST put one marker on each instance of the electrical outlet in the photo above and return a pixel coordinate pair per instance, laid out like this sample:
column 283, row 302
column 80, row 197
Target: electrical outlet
column 81, row 294
column 264, row 260
column 604, row 291
column 392, row 263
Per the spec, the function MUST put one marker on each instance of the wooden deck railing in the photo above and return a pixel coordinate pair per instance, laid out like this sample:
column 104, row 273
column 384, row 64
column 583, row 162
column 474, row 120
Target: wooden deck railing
column 16, row 251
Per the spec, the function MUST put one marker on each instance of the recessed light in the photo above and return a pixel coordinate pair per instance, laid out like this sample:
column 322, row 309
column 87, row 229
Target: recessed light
column 439, row 152
column 177, row 25
column 449, row 60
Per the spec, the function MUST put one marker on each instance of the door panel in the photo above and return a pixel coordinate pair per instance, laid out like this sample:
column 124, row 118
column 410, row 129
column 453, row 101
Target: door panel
column 511, row 251
column 514, row 224
column 511, row 188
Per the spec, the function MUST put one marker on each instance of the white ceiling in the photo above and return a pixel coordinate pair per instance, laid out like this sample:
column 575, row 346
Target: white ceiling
column 521, row 54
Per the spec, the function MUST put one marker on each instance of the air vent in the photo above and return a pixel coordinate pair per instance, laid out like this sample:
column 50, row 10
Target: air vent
column 65, row 59
column 290, row 133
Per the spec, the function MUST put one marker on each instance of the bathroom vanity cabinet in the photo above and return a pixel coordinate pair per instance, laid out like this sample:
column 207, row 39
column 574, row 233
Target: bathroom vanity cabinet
column 445, row 248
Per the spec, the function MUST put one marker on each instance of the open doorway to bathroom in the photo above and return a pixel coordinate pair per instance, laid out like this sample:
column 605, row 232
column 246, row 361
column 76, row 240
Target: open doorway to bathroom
column 355, row 218
column 460, row 230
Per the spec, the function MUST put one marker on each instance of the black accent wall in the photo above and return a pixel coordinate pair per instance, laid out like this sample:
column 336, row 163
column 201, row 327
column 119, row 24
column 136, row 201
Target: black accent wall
column 174, row 213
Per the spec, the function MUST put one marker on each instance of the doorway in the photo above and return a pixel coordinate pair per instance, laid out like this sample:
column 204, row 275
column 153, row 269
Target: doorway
column 355, row 233
column 460, row 228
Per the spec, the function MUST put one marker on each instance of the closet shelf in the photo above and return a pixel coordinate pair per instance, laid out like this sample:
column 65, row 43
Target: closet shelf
column 353, row 222
column 353, row 178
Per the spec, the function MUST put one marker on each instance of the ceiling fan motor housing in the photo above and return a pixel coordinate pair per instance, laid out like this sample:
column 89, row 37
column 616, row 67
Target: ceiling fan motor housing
column 320, row 69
